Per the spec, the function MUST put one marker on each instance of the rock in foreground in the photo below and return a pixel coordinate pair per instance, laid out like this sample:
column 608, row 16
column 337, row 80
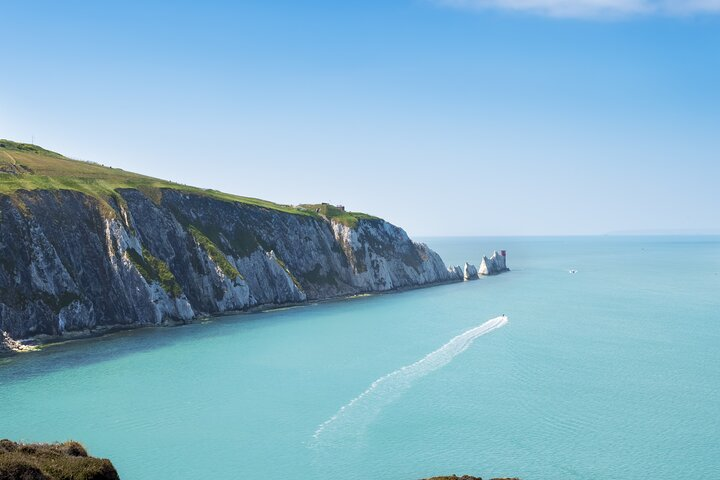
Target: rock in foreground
column 57, row 461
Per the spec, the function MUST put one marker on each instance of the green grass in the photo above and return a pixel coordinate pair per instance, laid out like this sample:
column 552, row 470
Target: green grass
column 214, row 252
column 29, row 167
column 155, row 270
column 350, row 219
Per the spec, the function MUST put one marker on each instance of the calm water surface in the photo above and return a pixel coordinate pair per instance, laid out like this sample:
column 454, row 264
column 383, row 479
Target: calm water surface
column 610, row 373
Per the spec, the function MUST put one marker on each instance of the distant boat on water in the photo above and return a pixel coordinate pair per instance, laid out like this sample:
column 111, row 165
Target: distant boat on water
column 572, row 271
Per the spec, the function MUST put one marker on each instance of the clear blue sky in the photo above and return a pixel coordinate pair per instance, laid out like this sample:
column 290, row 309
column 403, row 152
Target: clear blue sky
column 447, row 117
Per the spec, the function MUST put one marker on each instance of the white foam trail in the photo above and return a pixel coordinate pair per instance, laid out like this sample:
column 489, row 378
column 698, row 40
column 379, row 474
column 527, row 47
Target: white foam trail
column 386, row 388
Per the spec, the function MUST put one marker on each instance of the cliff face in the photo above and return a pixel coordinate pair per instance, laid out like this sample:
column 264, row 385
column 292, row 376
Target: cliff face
column 69, row 261
column 84, row 246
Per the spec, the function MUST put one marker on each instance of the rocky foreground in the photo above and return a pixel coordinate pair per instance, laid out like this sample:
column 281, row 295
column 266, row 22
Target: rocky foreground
column 56, row 461
column 70, row 461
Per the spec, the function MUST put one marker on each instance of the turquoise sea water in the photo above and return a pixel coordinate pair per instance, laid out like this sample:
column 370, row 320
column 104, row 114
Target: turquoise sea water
column 609, row 373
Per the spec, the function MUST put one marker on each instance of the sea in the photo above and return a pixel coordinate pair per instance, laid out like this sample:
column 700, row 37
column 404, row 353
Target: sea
column 611, row 372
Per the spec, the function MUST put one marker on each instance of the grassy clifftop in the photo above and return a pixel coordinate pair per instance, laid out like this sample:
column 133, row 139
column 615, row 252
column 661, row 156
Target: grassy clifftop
column 29, row 167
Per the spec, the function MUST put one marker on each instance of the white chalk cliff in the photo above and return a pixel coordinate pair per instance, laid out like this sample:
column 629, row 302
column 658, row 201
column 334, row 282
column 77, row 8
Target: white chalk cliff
column 68, row 265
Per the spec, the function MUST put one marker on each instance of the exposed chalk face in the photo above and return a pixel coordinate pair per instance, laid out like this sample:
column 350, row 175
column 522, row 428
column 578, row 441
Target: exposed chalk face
column 71, row 264
column 469, row 271
column 383, row 257
column 455, row 272
column 493, row 265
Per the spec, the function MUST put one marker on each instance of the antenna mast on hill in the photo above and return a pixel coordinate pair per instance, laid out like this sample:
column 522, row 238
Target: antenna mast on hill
column 32, row 141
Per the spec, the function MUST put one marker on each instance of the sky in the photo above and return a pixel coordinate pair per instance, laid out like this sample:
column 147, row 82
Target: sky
column 446, row 117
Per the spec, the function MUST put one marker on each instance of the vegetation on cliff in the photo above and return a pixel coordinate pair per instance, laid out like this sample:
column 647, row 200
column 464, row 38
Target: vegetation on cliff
column 155, row 270
column 52, row 461
column 215, row 253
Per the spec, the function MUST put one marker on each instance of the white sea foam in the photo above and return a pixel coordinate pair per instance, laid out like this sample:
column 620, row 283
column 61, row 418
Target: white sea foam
column 387, row 388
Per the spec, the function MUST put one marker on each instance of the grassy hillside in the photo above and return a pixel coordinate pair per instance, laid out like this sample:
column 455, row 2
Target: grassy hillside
column 29, row 167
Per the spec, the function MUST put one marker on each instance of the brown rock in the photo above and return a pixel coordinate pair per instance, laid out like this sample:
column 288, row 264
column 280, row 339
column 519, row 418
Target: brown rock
column 52, row 461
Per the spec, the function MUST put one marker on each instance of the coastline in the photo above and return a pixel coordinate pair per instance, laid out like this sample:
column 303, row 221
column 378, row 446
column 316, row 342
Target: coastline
column 11, row 347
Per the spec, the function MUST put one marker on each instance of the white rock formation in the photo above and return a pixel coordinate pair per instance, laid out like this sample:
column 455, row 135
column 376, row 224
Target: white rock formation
column 456, row 272
column 470, row 271
column 488, row 266
column 493, row 265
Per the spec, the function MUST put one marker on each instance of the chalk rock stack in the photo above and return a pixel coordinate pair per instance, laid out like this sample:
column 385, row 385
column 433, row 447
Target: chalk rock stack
column 488, row 266
column 469, row 271
column 493, row 265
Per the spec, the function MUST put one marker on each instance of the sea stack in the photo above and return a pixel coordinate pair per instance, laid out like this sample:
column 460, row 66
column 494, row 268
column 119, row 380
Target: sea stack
column 469, row 271
column 494, row 265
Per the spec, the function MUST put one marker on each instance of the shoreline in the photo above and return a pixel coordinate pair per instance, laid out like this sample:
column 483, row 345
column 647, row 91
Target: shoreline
column 10, row 347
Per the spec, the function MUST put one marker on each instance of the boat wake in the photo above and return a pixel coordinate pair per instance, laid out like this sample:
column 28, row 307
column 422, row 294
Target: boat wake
column 361, row 409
